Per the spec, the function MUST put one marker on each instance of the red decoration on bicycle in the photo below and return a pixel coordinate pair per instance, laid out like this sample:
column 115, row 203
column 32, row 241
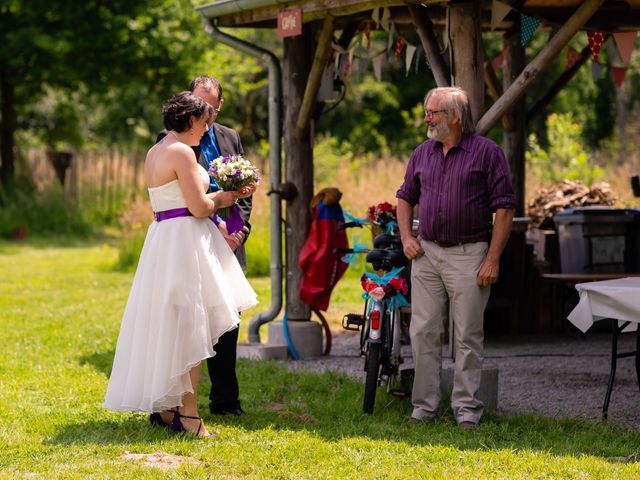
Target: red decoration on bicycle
column 382, row 213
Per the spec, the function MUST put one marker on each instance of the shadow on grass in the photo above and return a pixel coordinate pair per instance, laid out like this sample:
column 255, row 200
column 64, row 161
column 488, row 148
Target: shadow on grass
column 102, row 361
column 328, row 405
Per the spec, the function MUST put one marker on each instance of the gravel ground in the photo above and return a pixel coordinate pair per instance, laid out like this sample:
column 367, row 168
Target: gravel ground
column 560, row 376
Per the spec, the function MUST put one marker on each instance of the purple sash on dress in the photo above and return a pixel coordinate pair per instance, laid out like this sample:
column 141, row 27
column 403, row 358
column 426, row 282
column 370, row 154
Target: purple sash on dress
column 173, row 213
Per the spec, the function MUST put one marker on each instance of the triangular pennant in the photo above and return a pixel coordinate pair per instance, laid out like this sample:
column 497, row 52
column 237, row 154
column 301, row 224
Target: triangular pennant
column 386, row 18
column 409, row 56
column 375, row 16
column 499, row 10
column 528, row 25
column 367, row 34
column 572, row 58
column 377, row 65
column 625, row 41
column 418, row 55
column 392, row 31
column 596, row 39
column 618, row 74
column 400, row 43
column 596, row 71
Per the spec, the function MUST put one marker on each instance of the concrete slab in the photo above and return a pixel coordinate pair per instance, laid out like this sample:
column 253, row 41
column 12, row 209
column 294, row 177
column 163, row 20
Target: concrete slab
column 488, row 392
column 306, row 337
column 258, row 351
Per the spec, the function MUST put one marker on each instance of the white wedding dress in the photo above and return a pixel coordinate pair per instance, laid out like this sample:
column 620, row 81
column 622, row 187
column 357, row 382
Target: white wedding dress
column 187, row 291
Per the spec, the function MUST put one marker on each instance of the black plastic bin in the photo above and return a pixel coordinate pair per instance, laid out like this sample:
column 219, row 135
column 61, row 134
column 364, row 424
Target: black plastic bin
column 599, row 240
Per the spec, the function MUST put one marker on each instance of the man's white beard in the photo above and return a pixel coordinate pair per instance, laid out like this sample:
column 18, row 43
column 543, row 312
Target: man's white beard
column 438, row 132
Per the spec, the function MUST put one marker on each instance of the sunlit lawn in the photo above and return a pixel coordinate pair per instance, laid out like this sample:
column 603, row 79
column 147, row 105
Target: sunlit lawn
column 60, row 310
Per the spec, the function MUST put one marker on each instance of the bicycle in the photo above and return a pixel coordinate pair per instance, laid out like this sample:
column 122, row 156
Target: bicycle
column 380, row 325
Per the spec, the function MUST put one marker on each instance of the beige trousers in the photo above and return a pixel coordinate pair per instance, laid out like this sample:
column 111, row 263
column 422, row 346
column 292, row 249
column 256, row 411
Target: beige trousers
column 443, row 283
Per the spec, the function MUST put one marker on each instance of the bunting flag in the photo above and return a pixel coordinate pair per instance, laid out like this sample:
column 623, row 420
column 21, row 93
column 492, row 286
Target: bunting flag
column 367, row 34
column 377, row 65
column 618, row 74
column 625, row 41
column 499, row 10
column 596, row 39
column 392, row 32
column 400, row 43
column 375, row 16
column 385, row 21
column 528, row 25
column 498, row 60
column 596, row 71
column 418, row 56
column 572, row 58
column 409, row 57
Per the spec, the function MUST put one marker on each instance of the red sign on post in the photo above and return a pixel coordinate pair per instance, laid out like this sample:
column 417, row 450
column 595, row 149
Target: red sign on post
column 290, row 23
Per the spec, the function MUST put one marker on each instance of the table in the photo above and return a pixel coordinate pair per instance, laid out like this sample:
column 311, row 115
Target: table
column 617, row 299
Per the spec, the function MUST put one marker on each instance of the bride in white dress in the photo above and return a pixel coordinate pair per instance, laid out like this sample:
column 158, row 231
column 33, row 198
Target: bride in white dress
column 188, row 287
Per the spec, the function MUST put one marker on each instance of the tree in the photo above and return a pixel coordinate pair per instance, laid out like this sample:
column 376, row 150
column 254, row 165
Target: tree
column 108, row 49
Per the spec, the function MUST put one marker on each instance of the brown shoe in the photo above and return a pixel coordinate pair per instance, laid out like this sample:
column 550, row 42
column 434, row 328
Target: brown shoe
column 468, row 426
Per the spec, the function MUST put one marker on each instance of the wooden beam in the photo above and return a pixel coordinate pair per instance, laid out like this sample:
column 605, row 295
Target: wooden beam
column 558, row 85
column 315, row 75
column 424, row 26
column 538, row 64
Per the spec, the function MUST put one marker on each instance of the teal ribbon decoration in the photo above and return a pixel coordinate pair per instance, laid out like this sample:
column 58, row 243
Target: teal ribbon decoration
column 389, row 227
column 351, row 218
column 358, row 247
column 383, row 280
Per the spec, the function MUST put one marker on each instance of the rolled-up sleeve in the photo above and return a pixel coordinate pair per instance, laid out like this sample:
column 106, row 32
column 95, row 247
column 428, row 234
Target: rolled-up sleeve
column 409, row 191
column 501, row 193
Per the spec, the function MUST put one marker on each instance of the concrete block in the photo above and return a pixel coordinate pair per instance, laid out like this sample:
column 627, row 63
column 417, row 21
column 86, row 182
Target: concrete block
column 258, row 351
column 488, row 392
column 306, row 337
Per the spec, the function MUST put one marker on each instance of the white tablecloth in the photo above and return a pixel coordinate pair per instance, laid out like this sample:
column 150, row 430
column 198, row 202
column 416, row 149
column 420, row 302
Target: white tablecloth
column 619, row 299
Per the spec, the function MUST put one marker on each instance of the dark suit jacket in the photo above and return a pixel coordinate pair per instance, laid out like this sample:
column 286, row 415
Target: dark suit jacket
column 229, row 144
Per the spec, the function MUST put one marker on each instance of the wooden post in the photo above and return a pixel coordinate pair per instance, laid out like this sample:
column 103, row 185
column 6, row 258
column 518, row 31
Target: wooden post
column 514, row 133
column 313, row 83
column 430, row 45
column 299, row 165
column 495, row 90
column 538, row 64
column 468, row 53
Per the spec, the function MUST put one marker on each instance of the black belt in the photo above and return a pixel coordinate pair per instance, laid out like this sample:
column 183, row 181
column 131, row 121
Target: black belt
column 446, row 244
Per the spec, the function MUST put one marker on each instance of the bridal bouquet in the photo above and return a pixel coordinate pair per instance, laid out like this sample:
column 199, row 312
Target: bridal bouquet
column 232, row 172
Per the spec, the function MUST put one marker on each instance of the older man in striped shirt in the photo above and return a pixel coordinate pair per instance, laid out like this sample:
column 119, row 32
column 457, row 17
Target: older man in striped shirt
column 458, row 179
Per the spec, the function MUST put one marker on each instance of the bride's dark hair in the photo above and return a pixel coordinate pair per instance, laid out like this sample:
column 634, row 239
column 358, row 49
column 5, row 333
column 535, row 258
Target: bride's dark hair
column 183, row 106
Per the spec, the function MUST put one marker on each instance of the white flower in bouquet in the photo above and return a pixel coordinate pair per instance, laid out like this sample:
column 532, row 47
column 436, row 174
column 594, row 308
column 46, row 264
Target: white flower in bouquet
column 232, row 172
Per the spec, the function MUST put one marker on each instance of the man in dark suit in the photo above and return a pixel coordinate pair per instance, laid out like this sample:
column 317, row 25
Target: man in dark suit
column 221, row 140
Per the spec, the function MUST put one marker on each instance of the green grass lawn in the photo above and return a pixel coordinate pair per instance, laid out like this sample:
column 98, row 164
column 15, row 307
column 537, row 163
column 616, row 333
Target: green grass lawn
column 60, row 309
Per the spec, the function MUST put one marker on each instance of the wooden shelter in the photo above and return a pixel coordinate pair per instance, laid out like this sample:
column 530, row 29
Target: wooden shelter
column 450, row 32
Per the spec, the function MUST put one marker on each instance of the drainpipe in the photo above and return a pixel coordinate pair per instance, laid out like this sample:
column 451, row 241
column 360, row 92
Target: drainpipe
column 275, row 155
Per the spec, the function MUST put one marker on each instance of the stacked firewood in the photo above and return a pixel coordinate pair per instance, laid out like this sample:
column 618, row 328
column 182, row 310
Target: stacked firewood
column 566, row 194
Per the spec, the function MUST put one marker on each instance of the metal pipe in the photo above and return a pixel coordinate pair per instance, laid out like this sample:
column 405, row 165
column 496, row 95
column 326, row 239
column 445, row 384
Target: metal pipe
column 275, row 168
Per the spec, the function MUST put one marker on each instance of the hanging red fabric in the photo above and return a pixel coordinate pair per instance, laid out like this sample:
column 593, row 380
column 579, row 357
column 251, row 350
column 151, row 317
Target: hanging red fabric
column 321, row 267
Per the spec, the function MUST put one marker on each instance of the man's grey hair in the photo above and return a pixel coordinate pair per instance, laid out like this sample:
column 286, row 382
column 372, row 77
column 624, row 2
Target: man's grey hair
column 207, row 83
column 454, row 99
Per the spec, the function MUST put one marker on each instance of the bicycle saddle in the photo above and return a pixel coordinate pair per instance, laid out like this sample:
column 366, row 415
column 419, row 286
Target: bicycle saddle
column 386, row 259
column 386, row 241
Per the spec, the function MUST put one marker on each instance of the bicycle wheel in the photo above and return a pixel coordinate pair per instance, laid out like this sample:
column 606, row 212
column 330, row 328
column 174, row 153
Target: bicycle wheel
column 371, row 382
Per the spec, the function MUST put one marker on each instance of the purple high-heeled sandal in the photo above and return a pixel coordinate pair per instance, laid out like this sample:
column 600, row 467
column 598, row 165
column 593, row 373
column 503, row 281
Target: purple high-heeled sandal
column 177, row 425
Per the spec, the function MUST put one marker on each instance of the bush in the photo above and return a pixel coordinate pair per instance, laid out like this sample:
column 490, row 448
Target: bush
column 41, row 213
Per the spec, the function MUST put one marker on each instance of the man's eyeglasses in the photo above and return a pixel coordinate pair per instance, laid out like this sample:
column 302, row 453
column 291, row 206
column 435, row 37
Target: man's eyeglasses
column 431, row 113
column 217, row 109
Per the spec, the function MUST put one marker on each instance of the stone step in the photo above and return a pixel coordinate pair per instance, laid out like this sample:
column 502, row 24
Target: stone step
column 258, row 351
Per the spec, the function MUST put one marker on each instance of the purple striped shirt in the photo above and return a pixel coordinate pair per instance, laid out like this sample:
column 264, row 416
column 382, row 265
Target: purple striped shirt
column 457, row 194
